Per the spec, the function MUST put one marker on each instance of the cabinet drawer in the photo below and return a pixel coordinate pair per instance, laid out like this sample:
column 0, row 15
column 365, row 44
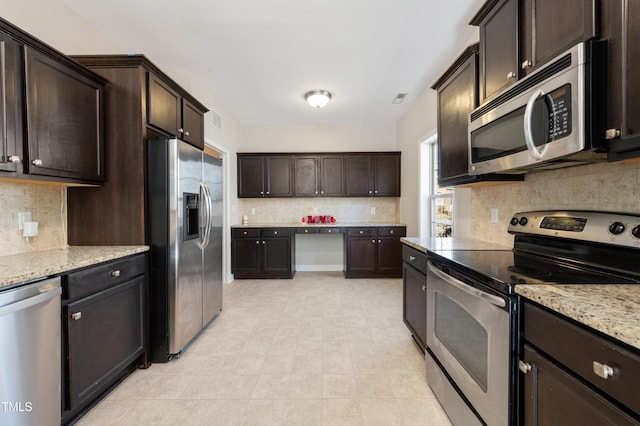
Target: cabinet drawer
column 275, row 232
column 331, row 230
column 392, row 231
column 578, row 349
column 306, row 230
column 96, row 278
column 245, row 233
column 415, row 258
column 368, row 231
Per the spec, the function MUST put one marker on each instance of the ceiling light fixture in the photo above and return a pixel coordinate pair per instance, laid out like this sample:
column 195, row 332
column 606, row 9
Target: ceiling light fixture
column 317, row 98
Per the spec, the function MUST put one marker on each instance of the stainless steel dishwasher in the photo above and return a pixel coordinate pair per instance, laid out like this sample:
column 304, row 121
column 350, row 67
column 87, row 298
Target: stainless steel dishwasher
column 30, row 354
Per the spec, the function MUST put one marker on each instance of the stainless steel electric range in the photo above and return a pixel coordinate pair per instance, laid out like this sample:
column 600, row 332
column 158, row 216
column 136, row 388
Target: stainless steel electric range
column 472, row 334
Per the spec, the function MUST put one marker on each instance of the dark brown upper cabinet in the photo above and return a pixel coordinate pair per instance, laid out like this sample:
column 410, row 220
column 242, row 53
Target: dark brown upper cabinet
column 171, row 113
column 318, row 175
column 621, row 26
column 372, row 175
column 517, row 36
column 60, row 105
column 457, row 97
column 265, row 175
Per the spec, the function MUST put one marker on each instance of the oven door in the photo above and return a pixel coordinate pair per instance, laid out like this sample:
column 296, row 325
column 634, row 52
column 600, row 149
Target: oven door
column 468, row 333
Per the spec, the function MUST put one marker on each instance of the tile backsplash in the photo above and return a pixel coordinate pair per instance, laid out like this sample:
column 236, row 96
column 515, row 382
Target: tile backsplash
column 47, row 206
column 345, row 210
column 604, row 186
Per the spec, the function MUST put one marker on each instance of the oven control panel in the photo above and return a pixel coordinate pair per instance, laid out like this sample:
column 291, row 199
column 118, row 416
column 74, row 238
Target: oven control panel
column 602, row 227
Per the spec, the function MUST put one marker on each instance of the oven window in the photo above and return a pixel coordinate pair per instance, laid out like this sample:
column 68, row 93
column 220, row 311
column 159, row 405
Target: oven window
column 463, row 336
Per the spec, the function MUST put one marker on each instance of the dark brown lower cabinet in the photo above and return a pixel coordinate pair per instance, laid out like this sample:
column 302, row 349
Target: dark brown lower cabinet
column 374, row 252
column 262, row 253
column 414, row 303
column 103, row 317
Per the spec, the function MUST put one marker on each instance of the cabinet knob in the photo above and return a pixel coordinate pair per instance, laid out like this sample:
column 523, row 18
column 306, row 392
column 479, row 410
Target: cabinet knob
column 181, row 130
column 391, row 232
column 412, row 258
column 329, row 231
column 322, row 192
column 14, row 159
column 268, row 192
column 306, row 230
column 257, row 242
column 373, row 241
column 525, row 367
column 362, row 232
column 186, row 133
column 602, row 370
column 244, row 233
column 370, row 192
column 115, row 274
column 76, row 316
column 379, row 241
column 424, row 288
column 376, row 191
column 263, row 242
column 612, row 134
column 275, row 232
column 525, row 64
column 511, row 75
column 37, row 163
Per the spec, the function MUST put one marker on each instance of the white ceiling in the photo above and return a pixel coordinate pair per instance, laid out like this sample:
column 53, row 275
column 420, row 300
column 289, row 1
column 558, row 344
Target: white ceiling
column 259, row 57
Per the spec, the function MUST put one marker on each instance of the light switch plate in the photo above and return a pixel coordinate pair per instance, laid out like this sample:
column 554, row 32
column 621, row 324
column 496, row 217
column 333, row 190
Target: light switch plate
column 22, row 218
column 494, row 215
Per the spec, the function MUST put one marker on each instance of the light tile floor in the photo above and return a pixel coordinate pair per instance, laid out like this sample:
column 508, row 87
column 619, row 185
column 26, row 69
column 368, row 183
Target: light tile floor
column 315, row 350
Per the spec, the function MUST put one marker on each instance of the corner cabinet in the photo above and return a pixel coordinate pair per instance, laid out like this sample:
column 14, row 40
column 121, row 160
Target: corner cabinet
column 457, row 96
column 372, row 252
column 104, row 311
column 571, row 375
column 262, row 252
column 58, row 103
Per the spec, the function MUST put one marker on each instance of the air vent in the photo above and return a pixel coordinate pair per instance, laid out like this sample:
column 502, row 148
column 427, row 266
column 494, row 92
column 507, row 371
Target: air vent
column 216, row 120
column 399, row 98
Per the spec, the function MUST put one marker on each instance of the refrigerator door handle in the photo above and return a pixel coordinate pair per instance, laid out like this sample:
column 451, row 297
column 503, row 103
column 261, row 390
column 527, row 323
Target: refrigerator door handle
column 208, row 207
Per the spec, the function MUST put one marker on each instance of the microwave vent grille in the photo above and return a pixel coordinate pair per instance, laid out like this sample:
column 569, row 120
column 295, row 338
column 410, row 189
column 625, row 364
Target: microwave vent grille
column 524, row 85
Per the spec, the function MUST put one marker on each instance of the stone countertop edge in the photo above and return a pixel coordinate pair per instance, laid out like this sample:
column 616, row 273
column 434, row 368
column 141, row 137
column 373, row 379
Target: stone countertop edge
column 26, row 267
column 316, row 225
column 450, row 244
column 612, row 309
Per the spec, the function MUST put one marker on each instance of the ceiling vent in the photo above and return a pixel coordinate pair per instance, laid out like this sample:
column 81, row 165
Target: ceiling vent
column 216, row 119
column 399, row 98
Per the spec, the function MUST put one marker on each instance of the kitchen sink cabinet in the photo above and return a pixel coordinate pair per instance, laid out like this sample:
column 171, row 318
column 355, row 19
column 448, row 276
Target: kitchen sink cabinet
column 262, row 176
column 104, row 311
column 52, row 113
column 318, row 175
column 372, row 175
column 115, row 212
column 518, row 36
column 414, row 294
column 172, row 114
column 262, row 253
column 372, row 252
column 570, row 374
column 621, row 22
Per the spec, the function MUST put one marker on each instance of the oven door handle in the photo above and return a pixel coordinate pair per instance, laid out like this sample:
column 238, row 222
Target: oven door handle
column 494, row 300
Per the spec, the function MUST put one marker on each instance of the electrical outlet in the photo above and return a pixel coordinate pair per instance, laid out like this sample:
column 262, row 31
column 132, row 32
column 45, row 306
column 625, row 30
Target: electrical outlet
column 315, row 210
column 373, row 211
column 253, row 210
column 22, row 218
column 494, row 215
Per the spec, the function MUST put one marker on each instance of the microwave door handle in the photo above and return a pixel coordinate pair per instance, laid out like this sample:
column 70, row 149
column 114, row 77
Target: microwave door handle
column 494, row 300
column 528, row 126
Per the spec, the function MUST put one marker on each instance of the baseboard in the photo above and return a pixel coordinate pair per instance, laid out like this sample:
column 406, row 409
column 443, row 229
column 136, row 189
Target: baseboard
column 318, row 268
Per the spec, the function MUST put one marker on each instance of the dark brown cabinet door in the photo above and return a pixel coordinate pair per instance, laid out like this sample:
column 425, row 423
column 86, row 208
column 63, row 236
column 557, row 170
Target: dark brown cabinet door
column 414, row 306
column 549, row 27
column 278, row 176
column 331, row 175
column 104, row 334
column 457, row 97
column 553, row 396
column 361, row 256
column 11, row 105
column 64, row 120
column 250, row 176
column 389, row 256
column 359, row 175
column 245, row 255
column 387, row 175
column 164, row 106
column 276, row 256
column 305, row 178
column 192, row 124
column 498, row 48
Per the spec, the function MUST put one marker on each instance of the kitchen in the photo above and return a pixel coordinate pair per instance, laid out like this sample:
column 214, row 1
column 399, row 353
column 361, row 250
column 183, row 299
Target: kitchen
column 610, row 186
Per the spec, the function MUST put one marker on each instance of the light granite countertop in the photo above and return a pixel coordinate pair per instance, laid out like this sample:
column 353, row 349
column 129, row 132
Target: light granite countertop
column 25, row 267
column 434, row 244
column 314, row 225
column 611, row 309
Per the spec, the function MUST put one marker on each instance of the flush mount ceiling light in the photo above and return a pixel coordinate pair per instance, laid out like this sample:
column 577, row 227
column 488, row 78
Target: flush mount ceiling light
column 317, row 98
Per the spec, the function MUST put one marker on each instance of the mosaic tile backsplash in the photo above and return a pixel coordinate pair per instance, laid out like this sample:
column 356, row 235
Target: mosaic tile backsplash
column 48, row 208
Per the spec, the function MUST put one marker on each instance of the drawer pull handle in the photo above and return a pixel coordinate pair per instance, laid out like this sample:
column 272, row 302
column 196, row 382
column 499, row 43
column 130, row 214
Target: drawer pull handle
column 76, row 316
column 37, row 162
column 115, row 274
column 362, row 232
column 525, row 367
column 424, row 288
column 275, row 232
column 412, row 258
column 391, row 232
column 244, row 233
column 329, row 230
column 602, row 370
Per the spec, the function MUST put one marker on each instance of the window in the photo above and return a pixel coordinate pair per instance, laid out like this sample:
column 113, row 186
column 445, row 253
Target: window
column 436, row 203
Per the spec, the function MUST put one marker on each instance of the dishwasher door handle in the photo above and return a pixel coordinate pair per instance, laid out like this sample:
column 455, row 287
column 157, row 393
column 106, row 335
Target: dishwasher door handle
column 29, row 302
column 490, row 298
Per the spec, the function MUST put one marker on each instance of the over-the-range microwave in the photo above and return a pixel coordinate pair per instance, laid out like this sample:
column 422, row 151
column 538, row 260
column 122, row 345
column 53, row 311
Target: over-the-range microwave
column 554, row 117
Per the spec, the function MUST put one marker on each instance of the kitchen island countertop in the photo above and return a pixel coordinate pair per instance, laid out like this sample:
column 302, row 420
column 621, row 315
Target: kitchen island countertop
column 433, row 244
column 25, row 267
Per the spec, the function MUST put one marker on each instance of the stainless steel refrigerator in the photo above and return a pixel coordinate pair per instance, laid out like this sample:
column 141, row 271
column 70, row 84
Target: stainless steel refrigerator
column 184, row 220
